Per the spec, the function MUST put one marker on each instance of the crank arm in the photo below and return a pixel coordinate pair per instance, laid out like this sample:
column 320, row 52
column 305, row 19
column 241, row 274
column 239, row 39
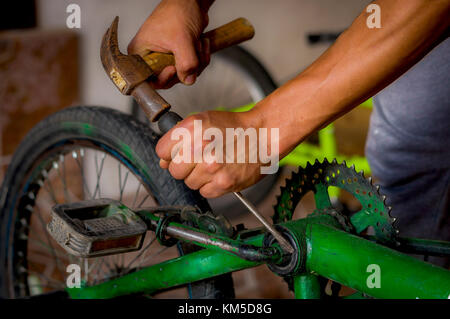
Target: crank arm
column 206, row 239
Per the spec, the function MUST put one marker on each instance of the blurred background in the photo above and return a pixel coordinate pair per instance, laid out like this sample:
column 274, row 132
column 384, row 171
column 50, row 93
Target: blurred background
column 65, row 68
column 46, row 66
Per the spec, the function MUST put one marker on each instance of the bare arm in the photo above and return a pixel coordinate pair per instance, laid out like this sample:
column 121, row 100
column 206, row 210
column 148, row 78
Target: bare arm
column 361, row 62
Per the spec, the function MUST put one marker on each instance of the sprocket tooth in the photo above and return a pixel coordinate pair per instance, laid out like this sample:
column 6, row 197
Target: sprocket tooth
column 288, row 179
column 365, row 188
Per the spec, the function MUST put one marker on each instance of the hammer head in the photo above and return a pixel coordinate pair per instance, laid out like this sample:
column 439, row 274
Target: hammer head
column 126, row 71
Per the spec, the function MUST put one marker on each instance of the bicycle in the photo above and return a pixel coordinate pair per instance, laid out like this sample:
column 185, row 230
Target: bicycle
column 50, row 186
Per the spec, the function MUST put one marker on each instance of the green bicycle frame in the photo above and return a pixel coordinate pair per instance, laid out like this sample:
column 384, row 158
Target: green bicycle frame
column 326, row 251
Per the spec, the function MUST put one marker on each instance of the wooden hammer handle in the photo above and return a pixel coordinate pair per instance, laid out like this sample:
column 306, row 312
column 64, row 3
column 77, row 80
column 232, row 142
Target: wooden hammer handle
column 232, row 33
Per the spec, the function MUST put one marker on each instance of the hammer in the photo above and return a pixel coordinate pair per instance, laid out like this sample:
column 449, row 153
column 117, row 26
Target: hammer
column 130, row 74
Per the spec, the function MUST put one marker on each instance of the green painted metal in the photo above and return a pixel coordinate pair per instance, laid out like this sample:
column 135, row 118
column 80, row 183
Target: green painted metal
column 306, row 286
column 347, row 259
column 323, row 250
column 356, row 295
column 424, row 246
column 319, row 178
column 192, row 267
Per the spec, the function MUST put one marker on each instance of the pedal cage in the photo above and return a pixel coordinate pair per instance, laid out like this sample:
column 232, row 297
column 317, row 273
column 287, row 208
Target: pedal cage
column 96, row 228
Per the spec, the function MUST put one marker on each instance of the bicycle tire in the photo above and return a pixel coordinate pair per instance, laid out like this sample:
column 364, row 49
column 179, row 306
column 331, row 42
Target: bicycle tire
column 129, row 140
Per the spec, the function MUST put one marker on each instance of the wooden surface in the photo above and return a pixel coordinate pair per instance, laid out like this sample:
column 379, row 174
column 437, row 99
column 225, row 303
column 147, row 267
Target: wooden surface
column 39, row 76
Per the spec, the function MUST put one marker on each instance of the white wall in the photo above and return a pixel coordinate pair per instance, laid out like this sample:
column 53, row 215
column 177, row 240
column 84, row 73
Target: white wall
column 279, row 42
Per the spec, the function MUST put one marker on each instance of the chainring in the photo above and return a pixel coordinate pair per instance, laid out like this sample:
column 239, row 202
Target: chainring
column 318, row 177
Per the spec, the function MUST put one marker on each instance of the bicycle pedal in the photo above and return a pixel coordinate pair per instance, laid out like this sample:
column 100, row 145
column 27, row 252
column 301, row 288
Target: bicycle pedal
column 96, row 228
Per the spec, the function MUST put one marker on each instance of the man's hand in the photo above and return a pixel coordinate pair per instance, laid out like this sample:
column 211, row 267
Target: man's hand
column 175, row 27
column 212, row 179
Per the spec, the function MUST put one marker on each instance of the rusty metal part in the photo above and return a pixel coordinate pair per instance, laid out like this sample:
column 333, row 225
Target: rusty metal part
column 129, row 73
column 126, row 71
column 206, row 239
column 153, row 104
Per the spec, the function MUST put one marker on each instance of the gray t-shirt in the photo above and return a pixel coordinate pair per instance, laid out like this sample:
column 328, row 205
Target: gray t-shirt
column 410, row 125
column 408, row 147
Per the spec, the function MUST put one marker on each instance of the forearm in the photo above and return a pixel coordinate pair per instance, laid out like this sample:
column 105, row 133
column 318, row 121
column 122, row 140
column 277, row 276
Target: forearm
column 360, row 63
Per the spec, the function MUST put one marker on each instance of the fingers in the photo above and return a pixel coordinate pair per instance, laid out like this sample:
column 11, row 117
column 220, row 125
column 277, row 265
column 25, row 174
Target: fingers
column 165, row 145
column 135, row 46
column 210, row 190
column 180, row 170
column 191, row 58
column 166, row 79
column 186, row 61
column 164, row 164
column 197, row 178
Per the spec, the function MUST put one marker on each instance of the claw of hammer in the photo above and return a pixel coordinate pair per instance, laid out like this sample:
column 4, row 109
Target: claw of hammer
column 129, row 73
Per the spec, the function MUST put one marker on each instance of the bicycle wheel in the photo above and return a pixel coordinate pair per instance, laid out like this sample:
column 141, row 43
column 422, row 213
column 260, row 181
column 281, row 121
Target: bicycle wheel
column 76, row 154
column 234, row 78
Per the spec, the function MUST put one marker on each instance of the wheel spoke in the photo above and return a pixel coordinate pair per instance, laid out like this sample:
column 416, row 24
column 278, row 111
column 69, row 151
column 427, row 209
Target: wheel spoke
column 122, row 186
column 62, row 176
column 49, row 187
column 99, row 174
column 136, row 196
column 81, row 167
column 143, row 201
column 48, row 279
column 141, row 253
column 153, row 255
column 52, row 249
